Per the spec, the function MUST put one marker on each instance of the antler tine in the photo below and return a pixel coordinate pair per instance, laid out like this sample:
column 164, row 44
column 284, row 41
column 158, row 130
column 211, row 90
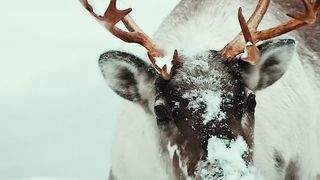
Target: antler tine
column 297, row 21
column 252, row 49
column 134, row 35
column 258, row 14
column 237, row 45
column 112, row 15
column 153, row 62
column 175, row 60
column 309, row 11
column 249, row 30
column 164, row 70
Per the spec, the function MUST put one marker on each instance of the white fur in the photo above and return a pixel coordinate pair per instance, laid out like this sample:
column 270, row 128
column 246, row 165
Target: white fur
column 286, row 119
column 287, row 114
column 136, row 153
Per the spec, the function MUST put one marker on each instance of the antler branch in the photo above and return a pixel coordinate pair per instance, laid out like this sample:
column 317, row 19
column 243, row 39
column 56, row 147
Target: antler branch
column 252, row 36
column 134, row 34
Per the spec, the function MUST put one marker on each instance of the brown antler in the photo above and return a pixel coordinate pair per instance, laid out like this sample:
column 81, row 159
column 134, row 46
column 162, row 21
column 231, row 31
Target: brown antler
column 164, row 70
column 252, row 36
column 134, row 34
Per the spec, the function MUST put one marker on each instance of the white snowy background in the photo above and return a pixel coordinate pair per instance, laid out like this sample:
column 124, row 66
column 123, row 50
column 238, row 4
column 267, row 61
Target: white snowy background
column 57, row 116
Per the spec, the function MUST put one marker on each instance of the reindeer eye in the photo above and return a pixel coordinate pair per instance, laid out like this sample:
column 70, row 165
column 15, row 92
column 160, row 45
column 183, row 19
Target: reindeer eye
column 251, row 102
column 163, row 114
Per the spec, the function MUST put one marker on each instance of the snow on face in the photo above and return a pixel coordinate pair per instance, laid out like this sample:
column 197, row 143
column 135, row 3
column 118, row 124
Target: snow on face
column 204, row 84
column 205, row 98
column 211, row 99
column 225, row 162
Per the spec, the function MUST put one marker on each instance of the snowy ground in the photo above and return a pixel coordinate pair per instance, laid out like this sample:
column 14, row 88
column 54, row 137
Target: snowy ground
column 57, row 116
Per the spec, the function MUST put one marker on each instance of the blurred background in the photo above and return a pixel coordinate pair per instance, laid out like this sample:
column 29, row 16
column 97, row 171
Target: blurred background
column 57, row 116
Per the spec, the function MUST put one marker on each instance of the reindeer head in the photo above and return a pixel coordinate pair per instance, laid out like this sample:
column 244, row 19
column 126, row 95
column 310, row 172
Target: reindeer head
column 204, row 98
column 205, row 105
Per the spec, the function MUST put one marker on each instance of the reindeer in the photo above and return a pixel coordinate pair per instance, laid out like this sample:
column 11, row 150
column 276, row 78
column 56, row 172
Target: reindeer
column 247, row 109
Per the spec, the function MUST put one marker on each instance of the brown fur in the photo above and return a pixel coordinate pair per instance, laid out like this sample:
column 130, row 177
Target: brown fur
column 188, row 131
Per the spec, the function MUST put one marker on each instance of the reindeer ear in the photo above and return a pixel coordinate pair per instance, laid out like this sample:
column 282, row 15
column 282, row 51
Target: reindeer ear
column 127, row 75
column 275, row 58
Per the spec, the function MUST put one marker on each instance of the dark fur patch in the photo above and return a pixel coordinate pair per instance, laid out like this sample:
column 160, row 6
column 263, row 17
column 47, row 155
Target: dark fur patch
column 129, row 83
column 279, row 161
column 191, row 134
column 126, row 85
column 292, row 171
column 271, row 69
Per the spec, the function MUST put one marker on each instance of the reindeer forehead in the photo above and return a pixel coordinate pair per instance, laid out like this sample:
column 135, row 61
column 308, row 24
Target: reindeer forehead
column 201, row 86
column 204, row 72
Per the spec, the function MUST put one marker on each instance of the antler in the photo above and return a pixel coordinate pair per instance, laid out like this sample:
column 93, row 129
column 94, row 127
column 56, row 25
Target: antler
column 164, row 70
column 252, row 36
column 134, row 34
